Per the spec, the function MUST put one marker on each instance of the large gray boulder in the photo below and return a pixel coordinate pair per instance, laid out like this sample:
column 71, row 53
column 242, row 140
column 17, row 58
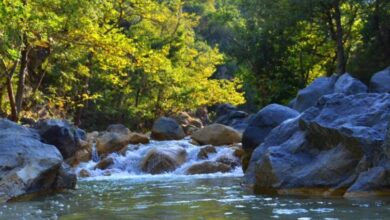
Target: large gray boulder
column 380, row 81
column 261, row 125
column 263, row 122
column 308, row 96
column 61, row 134
column 166, row 128
column 349, row 85
column 332, row 148
column 29, row 166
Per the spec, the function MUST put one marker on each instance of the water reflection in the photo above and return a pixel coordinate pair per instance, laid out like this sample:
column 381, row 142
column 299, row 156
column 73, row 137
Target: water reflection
column 187, row 198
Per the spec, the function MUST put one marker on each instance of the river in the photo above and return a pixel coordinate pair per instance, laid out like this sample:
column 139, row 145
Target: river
column 130, row 194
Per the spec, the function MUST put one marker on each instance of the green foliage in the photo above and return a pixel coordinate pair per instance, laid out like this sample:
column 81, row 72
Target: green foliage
column 129, row 59
column 279, row 46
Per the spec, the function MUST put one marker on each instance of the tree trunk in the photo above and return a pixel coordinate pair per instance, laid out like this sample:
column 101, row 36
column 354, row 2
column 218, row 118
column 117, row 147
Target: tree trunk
column 22, row 78
column 341, row 63
column 10, row 91
column 1, row 98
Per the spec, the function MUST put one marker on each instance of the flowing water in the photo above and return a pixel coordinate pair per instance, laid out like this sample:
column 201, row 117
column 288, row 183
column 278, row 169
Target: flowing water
column 130, row 194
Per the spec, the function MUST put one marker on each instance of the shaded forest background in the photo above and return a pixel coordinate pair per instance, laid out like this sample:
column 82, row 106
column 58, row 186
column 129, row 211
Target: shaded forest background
column 97, row 62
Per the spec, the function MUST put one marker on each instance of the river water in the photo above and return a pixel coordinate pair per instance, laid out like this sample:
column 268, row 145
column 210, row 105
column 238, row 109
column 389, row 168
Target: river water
column 130, row 194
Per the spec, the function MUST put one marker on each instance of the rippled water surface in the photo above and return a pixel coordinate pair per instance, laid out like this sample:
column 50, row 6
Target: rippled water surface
column 186, row 197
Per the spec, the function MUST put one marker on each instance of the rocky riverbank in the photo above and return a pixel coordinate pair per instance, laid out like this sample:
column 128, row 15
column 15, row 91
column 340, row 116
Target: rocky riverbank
column 331, row 142
column 332, row 139
column 47, row 156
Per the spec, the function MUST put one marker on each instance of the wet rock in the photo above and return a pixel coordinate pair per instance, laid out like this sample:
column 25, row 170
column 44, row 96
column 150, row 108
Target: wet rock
column 203, row 115
column 82, row 155
column 137, row 138
column 118, row 128
column 308, row 96
column 105, row 163
column 92, row 137
column 61, row 134
column 107, row 173
column 230, row 161
column 84, row 173
column 188, row 123
column 193, row 142
column 26, row 164
column 238, row 152
column 111, row 142
column 167, row 129
column 164, row 160
column 217, row 135
column 380, row 81
column 330, row 146
column 230, row 116
column 349, row 85
column 205, row 151
column 66, row 178
column 208, row 167
column 373, row 180
column 190, row 129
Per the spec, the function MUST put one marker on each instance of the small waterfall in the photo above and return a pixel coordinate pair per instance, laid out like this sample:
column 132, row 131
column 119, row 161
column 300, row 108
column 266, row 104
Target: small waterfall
column 95, row 156
column 128, row 164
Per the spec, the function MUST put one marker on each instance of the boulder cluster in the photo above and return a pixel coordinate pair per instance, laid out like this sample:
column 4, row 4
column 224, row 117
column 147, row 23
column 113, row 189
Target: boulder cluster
column 334, row 140
column 31, row 163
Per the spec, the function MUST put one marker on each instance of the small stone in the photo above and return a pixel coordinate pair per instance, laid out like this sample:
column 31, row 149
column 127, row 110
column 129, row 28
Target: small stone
column 105, row 163
column 84, row 173
column 205, row 151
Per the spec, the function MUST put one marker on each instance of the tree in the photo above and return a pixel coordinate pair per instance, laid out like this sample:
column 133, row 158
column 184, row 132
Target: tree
column 119, row 59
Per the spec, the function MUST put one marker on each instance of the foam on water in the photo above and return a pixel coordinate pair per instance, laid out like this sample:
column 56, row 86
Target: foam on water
column 127, row 166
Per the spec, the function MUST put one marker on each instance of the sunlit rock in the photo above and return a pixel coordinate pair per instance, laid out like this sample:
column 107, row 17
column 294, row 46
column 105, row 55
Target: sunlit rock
column 217, row 135
column 137, row 138
column 163, row 160
column 29, row 166
column 111, row 142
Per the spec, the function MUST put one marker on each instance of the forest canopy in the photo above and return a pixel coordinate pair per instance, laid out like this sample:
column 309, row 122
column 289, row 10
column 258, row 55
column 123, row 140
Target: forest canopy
column 103, row 61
